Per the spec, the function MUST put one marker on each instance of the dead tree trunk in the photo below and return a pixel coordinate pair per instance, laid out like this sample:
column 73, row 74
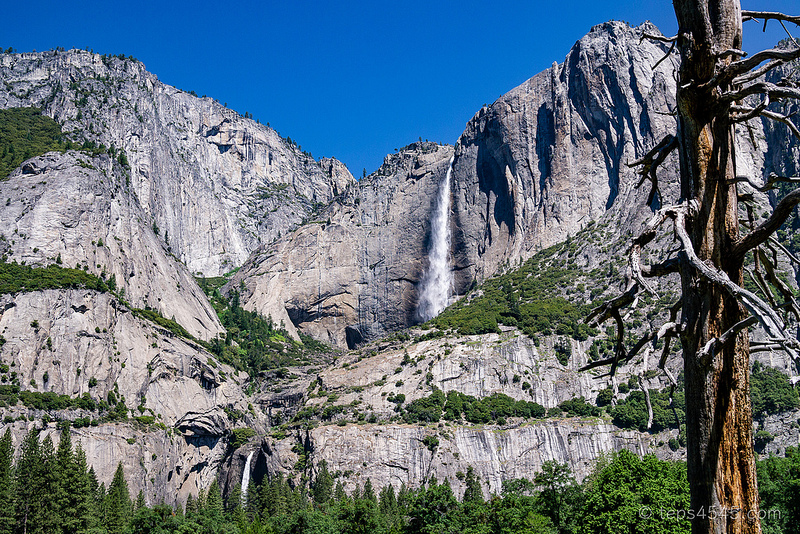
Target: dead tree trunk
column 716, row 310
column 721, row 465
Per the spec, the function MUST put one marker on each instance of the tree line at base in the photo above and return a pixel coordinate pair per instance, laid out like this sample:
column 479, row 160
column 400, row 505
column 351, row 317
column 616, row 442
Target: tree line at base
column 52, row 489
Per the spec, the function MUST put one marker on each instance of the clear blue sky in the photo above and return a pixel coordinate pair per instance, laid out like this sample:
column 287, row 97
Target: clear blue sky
column 351, row 79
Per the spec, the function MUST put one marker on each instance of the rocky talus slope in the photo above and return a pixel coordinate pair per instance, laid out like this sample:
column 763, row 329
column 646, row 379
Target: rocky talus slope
column 215, row 183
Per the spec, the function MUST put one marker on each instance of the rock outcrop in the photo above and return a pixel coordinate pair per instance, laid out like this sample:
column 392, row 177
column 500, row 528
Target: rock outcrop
column 352, row 274
column 529, row 170
column 216, row 184
column 80, row 211
column 87, row 343
column 551, row 155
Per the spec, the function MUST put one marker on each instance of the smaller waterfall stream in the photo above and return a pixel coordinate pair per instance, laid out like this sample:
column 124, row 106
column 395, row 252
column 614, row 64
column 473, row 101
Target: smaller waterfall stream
column 437, row 282
column 246, row 476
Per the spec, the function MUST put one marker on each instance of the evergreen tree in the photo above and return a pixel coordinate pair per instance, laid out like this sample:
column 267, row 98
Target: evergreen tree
column 473, row 492
column 86, row 490
column 556, row 481
column 234, row 507
column 140, row 502
column 46, row 514
column 191, row 506
column 323, row 484
column 69, row 484
column 214, row 499
column 6, row 484
column 118, row 503
column 27, row 478
column 339, row 494
column 369, row 493
column 100, row 500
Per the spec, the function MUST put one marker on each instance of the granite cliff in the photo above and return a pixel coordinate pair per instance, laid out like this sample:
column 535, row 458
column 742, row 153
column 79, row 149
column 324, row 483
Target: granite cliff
column 215, row 183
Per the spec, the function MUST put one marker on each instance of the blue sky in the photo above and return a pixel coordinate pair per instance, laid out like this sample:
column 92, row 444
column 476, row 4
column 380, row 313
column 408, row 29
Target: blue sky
column 353, row 80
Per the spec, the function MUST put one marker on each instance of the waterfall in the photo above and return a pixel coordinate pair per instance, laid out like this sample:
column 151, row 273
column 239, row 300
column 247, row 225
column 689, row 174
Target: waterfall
column 246, row 477
column 437, row 281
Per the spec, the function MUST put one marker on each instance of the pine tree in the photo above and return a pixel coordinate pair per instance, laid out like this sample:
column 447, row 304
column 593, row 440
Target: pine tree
column 118, row 503
column 66, row 481
column 140, row 502
column 6, row 484
column 86, row 490
column 388, row 501
column 214, row 499
column 473, row 492
column 339, row 494
column 47, row 517
column 26, row 481
column 191, row 506
column 369, row 493
column 100, row 500
column 323, row 484
column 233, row 505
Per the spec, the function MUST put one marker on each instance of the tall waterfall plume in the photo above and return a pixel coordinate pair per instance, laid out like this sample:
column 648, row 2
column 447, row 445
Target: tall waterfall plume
column 246, row 476
column 437, row 281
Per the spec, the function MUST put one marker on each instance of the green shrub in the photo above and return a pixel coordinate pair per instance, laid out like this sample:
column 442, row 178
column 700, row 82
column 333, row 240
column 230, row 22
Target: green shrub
column 426, row 409
column 431, row 442
column 528, row 298
column 25, row 133
column 579, row 407
column 240, row 436
column 632, row 412
column 15, row 278
column 771, row 392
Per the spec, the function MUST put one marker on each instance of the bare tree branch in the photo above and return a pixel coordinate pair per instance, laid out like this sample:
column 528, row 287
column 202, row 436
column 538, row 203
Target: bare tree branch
column 758, row 346
column 767, row 15
column 757, row 307
column 651, row 161
column 762, row 233
column 671, row 265
column 784, row 250
column 789, row 34
column 714, row 343
column 655, row 37
column 747, row 113
column 784, row 289
column 742, row 66
column 784, row 119
column 647, row 400
column 772, row 179
column 750, row 76
column 604, row 312
column 666, row 331
column 775, row 92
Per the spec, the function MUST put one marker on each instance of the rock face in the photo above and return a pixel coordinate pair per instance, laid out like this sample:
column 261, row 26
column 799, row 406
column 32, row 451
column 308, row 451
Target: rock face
column 352, row 274
column 86, row 342
column 529, row 170
column 550, row 156
column 80, row 211
column 215, row 183
column 363, row 383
